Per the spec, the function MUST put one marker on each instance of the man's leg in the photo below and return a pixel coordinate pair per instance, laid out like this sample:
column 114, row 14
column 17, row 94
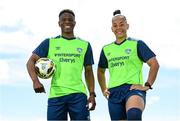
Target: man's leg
column 77, row 107
column 57, row 109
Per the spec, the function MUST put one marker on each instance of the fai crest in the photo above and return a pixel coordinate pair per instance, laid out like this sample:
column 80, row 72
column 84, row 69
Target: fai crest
column 79, row 50
column 128, row 51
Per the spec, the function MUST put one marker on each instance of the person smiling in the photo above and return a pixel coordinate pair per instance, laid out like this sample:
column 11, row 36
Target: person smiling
column 68, row 94
column 126, row 91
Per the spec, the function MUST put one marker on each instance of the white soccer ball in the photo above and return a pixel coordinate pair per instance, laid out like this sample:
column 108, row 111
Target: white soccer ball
column 45, row 68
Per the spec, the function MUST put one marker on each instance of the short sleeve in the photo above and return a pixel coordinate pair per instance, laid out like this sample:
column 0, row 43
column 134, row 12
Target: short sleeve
column 144, row 52
column 42, row 49
column 103, row 60
column 88, row 59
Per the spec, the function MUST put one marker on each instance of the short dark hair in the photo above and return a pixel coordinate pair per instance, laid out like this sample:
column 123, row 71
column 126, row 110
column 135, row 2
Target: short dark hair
column 66, row 11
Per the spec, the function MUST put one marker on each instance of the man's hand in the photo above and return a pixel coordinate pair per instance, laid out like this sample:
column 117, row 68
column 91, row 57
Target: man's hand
column 106, row 93
column 139, row 87
column 38, row 87
column 91, row 103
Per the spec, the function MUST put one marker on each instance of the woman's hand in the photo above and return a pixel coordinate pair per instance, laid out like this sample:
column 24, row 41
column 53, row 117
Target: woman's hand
column 139, row 87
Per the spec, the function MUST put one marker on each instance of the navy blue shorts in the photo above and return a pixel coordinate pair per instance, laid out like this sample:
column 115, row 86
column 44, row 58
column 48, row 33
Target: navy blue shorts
column 74, row 104
column 118, row 98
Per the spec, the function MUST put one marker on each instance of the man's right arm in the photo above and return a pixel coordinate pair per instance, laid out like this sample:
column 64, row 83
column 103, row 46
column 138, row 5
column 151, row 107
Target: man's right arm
column 38, row 87
column 39, row 52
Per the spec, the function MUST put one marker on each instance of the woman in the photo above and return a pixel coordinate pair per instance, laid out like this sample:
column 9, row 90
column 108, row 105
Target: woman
column 126, row 91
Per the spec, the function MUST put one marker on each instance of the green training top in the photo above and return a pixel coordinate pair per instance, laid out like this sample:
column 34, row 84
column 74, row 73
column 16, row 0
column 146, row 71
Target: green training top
column 123, row 63
column 68, row 55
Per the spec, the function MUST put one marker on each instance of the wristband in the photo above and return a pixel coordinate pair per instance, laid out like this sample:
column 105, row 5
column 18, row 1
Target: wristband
column 148, row 85
column 92, row 94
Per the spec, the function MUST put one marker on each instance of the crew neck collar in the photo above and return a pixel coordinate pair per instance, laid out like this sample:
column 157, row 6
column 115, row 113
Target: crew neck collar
column 120, row 43
column 69, row 38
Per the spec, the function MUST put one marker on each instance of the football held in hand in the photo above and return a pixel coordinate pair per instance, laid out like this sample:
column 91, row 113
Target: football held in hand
column 45, row 68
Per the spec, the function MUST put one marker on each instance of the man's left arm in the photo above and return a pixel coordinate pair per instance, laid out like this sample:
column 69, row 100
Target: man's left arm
column 89, row 76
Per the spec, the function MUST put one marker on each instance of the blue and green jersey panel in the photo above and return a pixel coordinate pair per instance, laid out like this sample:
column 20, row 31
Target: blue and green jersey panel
column 143, row 51
column 43, row 48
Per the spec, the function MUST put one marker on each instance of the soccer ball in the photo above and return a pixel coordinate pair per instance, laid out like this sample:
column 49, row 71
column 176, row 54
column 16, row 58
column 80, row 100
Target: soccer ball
column 45, row 68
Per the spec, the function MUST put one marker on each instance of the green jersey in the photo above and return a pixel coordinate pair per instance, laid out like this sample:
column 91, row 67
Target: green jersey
column 123, row 63
column 68, row 55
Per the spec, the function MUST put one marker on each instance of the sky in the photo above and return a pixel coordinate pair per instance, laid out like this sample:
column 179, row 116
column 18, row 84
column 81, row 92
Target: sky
column 24, row 24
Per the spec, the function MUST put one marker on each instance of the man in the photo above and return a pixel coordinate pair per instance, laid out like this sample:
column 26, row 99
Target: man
column 70, row 54
column 124, row 58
